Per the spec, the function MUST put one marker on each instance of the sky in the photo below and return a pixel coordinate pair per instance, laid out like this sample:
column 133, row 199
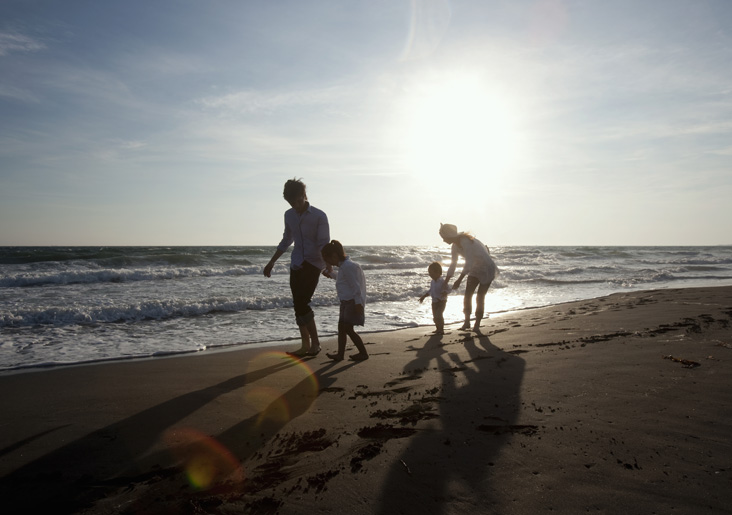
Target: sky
column 525, row 122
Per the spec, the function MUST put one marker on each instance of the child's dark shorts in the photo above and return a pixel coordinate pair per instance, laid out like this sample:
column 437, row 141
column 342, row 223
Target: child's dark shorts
column 349, row 315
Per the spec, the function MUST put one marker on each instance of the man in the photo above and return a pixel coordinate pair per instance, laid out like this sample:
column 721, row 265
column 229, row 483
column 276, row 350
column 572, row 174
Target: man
column 307, row 227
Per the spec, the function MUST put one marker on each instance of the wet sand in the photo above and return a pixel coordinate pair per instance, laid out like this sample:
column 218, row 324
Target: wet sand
column 621, row 404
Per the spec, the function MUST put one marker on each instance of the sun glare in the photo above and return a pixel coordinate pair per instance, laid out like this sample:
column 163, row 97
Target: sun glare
column 459, row 128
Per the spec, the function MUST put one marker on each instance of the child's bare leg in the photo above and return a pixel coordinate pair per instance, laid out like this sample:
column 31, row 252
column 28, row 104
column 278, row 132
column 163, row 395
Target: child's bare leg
column 438, row 309
column 358, row 342
column 342, row 335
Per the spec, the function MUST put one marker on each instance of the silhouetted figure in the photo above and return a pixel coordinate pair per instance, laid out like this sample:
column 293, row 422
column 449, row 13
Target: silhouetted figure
column 351, row 288
column 307, row 227
column 479, row 267
column 438, row 291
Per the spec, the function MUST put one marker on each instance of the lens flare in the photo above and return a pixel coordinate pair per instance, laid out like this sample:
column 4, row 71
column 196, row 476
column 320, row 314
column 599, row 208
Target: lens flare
column 290, row 370
column 270, row 404
column 296, row 386
column 204, row 460
column 291, row 390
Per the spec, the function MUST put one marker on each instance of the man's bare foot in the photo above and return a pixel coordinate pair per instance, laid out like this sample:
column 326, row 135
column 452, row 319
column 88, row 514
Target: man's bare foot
column 299, row 353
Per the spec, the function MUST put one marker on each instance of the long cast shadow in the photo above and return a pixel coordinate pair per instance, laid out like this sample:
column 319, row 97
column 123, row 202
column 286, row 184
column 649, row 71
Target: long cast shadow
column 480, row 405
column 74, row 476
column 243, row 440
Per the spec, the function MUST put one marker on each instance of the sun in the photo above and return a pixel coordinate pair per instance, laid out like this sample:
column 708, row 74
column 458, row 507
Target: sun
column 459, row 127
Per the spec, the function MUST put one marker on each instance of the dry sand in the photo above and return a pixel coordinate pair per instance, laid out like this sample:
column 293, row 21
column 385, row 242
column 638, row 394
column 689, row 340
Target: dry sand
column 621, row 404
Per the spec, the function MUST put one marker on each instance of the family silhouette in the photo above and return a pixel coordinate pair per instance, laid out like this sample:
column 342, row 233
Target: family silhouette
column 314, row 254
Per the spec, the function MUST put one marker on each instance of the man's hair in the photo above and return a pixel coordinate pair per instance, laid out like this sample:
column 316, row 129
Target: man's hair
column 435, row 266
column 293, row 189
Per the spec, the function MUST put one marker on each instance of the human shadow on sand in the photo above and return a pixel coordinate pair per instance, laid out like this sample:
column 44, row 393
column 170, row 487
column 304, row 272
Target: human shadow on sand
column 242, row 441
column 450, row 463
column 75, row 476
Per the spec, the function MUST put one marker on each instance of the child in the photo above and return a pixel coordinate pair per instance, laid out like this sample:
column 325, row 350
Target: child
column 351, row 288
column 438, row 290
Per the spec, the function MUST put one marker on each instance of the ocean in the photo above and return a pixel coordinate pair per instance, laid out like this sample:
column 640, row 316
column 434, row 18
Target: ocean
column 62, row 306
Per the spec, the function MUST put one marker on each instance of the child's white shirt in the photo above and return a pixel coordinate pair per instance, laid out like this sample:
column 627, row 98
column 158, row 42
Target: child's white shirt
column 439, row 290
column 350, row 282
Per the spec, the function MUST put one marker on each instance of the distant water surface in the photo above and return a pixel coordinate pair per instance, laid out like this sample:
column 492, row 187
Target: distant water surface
column 67, row 305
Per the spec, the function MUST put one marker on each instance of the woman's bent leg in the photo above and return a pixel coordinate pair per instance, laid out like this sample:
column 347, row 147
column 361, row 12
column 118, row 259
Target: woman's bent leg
column 480, row 304
column 470, row 286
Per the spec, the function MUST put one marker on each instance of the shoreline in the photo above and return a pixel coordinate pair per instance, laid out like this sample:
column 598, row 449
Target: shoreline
column 294, row 340
column 584, row 405
column 89, row 307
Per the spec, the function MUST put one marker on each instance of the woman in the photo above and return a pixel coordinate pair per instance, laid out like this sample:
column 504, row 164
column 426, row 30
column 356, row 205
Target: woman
column 479, row 267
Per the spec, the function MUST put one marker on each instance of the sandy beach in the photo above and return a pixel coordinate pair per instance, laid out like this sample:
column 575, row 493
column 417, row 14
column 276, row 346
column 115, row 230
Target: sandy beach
column 620, row 404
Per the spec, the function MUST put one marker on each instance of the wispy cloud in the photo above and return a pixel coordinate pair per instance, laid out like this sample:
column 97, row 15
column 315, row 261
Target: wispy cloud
column 15, row 93
column 252, row 101
column 608, row 101
column 13, row 42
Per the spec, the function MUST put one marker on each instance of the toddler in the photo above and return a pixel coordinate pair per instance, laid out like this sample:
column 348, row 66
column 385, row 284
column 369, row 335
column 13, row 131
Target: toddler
column 438, row 290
